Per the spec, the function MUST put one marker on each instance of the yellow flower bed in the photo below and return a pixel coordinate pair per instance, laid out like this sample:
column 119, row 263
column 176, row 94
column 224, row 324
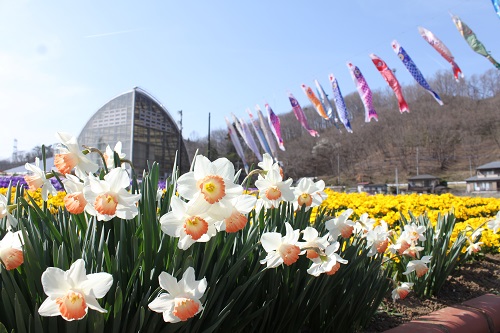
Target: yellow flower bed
column 472, row 212
column 53, row 202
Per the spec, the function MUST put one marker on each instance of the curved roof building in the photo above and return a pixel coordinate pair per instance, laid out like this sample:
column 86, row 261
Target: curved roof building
column 147, row 131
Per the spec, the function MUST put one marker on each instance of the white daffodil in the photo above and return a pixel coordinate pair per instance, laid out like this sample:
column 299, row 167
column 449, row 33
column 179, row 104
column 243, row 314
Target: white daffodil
column 189, row 221
column 341, row 225
column 70, row 293
column 313, row 245
column 413, row 250
column 273, row 190
column 474, row 247
column 108, row 198
column 241, row 206
column 37, row 179
column 281, row 249
column 495, row 223
column 70, row 156
column 364, row 224
column 415, row 233
column 11, row 221
column 74, row 200
column 377, row 239
column 419, row 266
column 476, row 235
column 213, row 182
column 109, row 154
column 400, row 292
column 182, row 299
column 267, row 162
column 309, row 193
column 402, row 243
column 11, row 250
column 328, row 263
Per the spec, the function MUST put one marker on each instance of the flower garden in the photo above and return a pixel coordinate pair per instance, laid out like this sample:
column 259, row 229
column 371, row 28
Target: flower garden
column 98, row 249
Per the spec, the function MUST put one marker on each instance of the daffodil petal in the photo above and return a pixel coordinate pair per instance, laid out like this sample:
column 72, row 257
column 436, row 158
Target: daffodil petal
column 54, row 282
column 77, row 272
column 93, row 304
column 169, row 283
column 49, row 308
column 271, row 241
column 163, row 303
column 99, row 283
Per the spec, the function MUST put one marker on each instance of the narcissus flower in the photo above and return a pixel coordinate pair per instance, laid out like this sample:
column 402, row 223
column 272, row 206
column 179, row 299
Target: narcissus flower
column 474, row 247
column 109, row 198
column 309, row 193
column 70, row 156
column 273, row 190
column 11, row 252
column 74, row 201
column 364, row 224
column 313, row 245
column 419, row 266
column 182, row 300
column 241, row 206
column 267, row 162
column 414, row 233
column 189, row 221
column 401, row 245
column 37, row 179
column 213, row 182
column 328, row 263
column 281, row 249
column 341, row 225
column 413, row 251
column 400, row 292
column 4, row 212
column 109, row 154
column 495, row 223
column 377, row 239
column 70, row 293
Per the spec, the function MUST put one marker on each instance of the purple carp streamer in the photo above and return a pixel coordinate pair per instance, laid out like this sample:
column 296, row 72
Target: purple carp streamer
column 340, row 103
column 414, row 71
column 300, row 115
column 260, row 135
column 236, row 143
column 266, row 129
column 364, row 92
column 247, row 137
column 251, row 142
column 326, row 104
column 471, row 39
column 439, row 46
column 274, row 122
column 391, row 80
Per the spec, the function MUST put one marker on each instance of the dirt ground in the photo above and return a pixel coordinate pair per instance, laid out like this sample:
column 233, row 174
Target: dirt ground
column 469, row 281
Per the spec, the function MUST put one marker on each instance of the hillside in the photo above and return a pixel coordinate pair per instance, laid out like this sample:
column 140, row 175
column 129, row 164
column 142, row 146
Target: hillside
column 446, row 141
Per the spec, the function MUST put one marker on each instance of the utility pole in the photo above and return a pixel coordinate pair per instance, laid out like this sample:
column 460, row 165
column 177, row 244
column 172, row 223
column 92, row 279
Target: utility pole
column 338, row 169
column 208, row 153
column 417, row 161
column 180, row 142
column 397, row 182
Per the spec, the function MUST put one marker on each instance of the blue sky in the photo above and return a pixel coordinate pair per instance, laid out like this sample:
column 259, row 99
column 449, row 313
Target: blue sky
column 60, row 61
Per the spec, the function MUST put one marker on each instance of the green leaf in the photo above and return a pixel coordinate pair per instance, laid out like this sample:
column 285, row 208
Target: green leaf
column 2, row 328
